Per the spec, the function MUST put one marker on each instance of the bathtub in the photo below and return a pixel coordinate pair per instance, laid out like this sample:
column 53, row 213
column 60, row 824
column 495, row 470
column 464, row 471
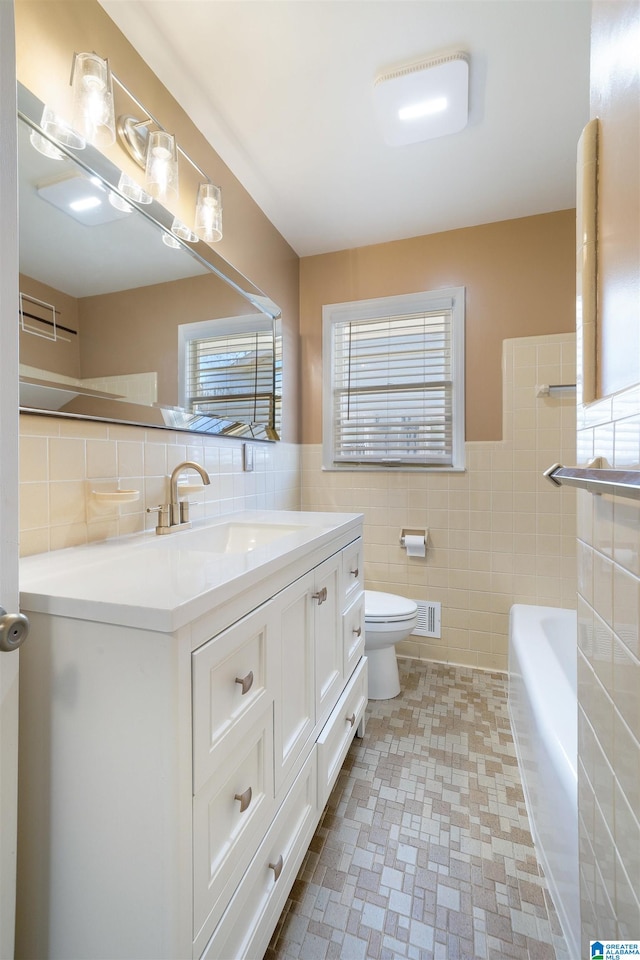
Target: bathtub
column 544, row 720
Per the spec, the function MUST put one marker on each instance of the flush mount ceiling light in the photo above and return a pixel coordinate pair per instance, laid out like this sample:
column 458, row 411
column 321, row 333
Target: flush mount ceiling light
column 423, row 100
column 86, row 200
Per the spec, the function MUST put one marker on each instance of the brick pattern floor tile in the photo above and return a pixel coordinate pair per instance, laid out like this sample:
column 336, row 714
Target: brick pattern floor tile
column 424, row 850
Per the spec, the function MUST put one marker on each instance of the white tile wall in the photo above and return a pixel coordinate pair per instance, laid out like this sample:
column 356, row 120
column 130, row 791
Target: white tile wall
column 498, row 534
column 62, row 461
column 609, row 678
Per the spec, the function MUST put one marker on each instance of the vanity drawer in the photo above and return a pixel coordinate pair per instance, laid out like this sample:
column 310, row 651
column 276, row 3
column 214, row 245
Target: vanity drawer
column 247, row 925
column 231, row 814
column 353, row 634
column 230, row 688
column 352, row 572
column 339, row 730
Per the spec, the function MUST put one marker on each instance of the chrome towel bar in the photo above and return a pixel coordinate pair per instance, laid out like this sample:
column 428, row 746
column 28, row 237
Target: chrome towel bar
column 621, row 483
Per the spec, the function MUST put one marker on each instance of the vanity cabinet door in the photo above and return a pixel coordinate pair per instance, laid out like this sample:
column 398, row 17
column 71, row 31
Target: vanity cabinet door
column 231, row 814
column 231, row 685
column 247, row 925
column 353, row 634
column 294, row 706
column 327, row 597
column 339, row 731
column 352, row 572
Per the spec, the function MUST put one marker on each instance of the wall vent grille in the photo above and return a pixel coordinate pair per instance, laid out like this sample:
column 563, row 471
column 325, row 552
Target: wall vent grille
column 429, row 617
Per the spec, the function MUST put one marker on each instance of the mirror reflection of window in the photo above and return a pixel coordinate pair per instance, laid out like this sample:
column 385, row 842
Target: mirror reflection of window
column 229, row 369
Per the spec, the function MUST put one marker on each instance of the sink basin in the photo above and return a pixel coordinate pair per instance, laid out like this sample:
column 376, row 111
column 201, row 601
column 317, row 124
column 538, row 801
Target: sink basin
column 234, row 537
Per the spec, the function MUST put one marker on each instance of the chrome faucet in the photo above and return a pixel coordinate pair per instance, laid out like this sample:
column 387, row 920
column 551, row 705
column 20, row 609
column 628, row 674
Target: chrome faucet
column 175, row 514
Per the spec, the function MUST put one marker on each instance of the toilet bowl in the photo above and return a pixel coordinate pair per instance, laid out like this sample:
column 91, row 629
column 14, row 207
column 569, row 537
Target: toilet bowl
column 387, row 619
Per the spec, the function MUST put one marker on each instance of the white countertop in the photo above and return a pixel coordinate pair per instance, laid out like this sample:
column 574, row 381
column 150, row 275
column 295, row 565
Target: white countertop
column 163, row 583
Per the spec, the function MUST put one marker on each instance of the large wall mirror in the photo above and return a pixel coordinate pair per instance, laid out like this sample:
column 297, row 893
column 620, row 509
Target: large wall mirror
column 118, row 324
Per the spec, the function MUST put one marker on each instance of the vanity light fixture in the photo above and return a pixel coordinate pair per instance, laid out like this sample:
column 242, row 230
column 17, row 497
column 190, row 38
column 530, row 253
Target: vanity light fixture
column 209, row 213
column 132, row 190
column 170, row 240
column 423, row 100
column 56, row 128
column 145, row 140
column 183, row 232
column 153, row 150
column 93, row 111
column 161, row 173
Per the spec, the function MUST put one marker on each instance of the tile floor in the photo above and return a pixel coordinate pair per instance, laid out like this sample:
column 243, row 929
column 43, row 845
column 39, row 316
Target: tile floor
column 424, row 849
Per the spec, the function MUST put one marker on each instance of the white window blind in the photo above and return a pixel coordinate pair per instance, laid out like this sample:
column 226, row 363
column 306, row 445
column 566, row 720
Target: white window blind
column 394, row 385
column 232, row 376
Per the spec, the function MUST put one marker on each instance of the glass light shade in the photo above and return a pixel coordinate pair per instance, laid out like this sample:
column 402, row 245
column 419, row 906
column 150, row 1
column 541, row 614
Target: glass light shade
column 93, row 113
column 162, row 166
column 60, row 131
column 45, row 146
column 208, row 224
column 180, row 229
column 119, row 202
column 132, row 189
column 171, row 241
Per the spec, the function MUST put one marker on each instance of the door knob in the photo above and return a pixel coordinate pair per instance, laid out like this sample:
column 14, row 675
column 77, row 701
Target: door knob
column 14, row 629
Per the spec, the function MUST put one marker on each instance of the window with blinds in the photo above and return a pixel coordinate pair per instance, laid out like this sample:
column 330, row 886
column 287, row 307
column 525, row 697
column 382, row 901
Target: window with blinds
column 394, row 382
column 232, row 376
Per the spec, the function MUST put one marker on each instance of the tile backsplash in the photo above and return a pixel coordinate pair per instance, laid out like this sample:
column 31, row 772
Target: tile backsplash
column 63, row 461
column 499, row 533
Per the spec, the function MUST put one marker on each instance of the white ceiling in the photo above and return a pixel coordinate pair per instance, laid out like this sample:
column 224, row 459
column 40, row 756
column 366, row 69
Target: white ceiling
column 282, row 89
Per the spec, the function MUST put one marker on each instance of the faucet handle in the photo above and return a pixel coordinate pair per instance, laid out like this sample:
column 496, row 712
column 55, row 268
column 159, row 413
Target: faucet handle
column 163, row 513
column 184, row 509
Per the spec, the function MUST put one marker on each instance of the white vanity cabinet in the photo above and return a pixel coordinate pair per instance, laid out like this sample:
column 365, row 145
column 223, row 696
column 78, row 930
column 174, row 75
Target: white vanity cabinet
column 171, row 780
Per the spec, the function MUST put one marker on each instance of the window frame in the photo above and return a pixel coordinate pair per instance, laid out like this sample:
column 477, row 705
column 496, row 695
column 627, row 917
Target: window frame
column 228, row 326
column 448, row 298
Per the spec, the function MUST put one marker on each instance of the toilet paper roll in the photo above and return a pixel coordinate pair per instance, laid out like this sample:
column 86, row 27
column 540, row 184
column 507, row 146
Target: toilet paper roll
column 416, row 546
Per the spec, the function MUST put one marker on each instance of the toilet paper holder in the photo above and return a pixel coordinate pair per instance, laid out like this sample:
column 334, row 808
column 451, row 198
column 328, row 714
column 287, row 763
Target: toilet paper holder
column 406, row 532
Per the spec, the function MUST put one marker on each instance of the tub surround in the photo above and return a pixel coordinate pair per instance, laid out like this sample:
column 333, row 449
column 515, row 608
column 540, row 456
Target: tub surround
column 609, row 527
column 543, row 713
column 187, row 703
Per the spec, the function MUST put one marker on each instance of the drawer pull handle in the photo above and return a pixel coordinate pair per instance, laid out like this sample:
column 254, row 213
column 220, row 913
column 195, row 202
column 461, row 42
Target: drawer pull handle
column 351, row 719
column 245, row 682
column 355, row 572
column 320, row 596
column 244, row 798
column 357, row 631
column 277, row 867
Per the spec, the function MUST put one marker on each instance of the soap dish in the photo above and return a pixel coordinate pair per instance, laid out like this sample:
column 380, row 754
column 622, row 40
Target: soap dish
column 116, row 496
column 186, row 489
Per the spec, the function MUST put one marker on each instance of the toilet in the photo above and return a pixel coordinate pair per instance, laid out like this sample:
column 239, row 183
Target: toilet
column 387, row 620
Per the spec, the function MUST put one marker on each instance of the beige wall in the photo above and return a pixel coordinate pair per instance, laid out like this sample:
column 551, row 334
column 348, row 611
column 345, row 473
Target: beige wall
column 47, row 34
column 498, row 533
column 608, row 527
column 520, row 281
column 137, row 330
column 62, row 356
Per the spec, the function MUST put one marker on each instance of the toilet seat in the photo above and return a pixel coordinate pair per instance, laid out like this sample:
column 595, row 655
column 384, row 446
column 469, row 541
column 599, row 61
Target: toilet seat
column 387, row 607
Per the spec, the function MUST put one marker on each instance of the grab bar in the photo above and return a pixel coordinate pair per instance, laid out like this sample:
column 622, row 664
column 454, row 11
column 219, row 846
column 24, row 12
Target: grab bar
column 622, row 483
